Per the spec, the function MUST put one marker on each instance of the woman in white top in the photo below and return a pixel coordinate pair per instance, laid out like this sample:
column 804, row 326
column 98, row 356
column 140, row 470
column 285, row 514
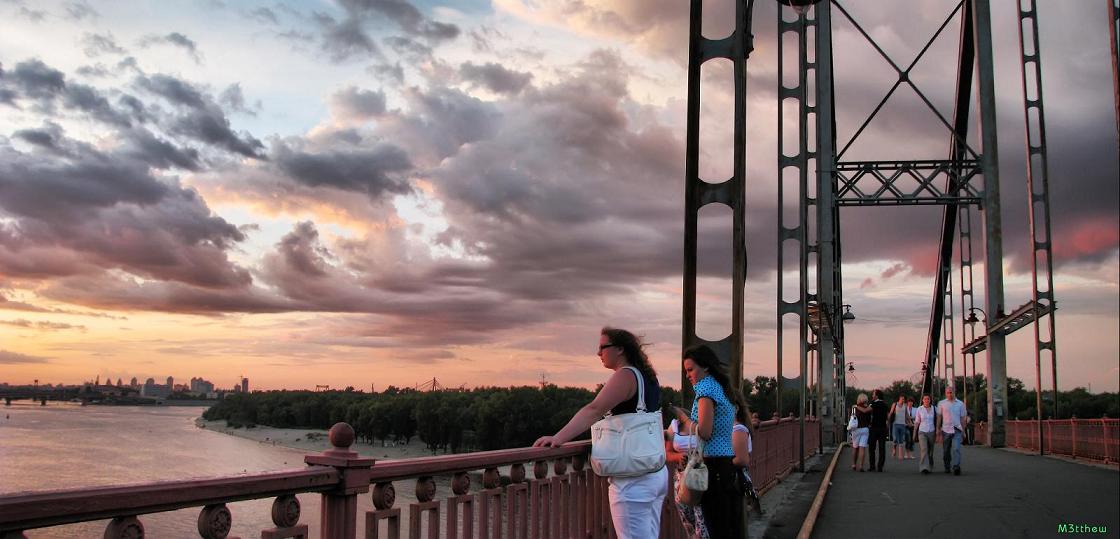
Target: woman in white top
column 925, row 427
column 635, row 502
column 743, row 444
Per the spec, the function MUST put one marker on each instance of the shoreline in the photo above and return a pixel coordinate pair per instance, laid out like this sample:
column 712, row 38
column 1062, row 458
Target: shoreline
column 314, row 440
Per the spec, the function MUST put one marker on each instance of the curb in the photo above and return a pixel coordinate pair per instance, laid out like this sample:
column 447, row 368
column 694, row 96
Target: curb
column 815, row 509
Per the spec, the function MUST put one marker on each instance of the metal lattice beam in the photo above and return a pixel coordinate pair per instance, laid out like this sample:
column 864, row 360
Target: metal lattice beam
column 907, row 183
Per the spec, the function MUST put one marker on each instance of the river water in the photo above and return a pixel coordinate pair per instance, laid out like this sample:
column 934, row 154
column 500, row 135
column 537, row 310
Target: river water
column 62, row 446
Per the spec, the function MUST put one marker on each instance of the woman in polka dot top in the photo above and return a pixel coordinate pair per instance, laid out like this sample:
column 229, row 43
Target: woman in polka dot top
column 713, row 418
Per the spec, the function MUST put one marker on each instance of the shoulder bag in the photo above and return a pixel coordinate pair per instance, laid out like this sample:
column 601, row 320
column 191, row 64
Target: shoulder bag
column 628, row 445
column 694, row 480
column 853, row 423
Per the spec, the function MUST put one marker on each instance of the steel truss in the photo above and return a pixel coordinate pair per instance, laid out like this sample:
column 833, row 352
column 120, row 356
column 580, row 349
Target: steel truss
column 952, row 183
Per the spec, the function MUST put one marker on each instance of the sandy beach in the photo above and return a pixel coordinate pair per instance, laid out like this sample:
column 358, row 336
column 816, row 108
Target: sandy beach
column 314, row 440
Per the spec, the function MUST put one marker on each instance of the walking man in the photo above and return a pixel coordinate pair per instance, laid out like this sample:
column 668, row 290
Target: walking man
column 878, row 431
column 952, row 418
column 925, row 425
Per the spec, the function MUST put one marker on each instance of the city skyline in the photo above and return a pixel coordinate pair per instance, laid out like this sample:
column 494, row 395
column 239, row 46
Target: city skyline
column 344, row 193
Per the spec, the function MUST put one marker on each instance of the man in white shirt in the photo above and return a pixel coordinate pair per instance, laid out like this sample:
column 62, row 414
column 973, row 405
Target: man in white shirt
column 952, row 418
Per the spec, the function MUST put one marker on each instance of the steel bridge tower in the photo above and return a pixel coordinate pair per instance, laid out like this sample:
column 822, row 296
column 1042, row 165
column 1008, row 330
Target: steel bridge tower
column 824, row 177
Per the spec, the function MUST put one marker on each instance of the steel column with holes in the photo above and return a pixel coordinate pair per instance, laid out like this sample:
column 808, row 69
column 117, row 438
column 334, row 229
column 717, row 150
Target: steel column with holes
column 731, row 192
column 798, row 235
column 1038, row 191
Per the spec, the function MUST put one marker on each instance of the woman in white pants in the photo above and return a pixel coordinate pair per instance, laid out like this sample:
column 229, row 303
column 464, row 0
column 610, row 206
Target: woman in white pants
column 635, row 501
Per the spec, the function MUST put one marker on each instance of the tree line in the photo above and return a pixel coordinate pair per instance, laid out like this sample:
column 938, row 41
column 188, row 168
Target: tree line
column 453, row 420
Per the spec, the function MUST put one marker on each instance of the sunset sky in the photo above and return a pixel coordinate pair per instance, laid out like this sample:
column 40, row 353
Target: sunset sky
column 357, row 192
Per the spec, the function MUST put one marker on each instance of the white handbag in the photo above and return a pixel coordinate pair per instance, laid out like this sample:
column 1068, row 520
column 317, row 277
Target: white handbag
column 853, row 423
column 628, row 445
column 694, row 480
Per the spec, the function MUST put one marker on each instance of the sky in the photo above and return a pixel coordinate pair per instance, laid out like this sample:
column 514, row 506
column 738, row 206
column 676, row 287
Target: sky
column 380, row 192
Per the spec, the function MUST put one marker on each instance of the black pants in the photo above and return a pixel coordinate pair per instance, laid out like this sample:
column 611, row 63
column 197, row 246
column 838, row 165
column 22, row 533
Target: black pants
column 877, row 439
column 722, row 503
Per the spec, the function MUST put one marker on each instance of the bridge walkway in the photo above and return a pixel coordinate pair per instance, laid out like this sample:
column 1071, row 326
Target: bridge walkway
column 1000, row 493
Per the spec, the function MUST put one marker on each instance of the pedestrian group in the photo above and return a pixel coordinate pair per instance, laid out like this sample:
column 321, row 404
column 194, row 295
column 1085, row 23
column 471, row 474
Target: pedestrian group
column 928, row 424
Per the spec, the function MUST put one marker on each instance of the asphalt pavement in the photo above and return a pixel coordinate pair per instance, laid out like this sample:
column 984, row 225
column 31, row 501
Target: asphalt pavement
column 1000, row 493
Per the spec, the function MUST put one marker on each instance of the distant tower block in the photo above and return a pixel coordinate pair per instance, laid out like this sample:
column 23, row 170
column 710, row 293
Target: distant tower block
column 244, row 385
column 170, row 381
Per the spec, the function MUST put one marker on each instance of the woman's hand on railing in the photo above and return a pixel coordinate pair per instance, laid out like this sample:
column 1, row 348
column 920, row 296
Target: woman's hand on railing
column 547, row 441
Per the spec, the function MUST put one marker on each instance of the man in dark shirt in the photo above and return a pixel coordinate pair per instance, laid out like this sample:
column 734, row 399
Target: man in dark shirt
column 877, row 438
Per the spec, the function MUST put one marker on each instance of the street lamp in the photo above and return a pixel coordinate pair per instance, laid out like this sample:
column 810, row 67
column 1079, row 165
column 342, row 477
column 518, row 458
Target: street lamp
column 972, row 319
column 847, row 316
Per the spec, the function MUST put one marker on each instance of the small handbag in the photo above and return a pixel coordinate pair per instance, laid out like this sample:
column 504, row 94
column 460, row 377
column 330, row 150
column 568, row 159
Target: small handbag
column 853, row 423
column 694, row 480
column 628, row 445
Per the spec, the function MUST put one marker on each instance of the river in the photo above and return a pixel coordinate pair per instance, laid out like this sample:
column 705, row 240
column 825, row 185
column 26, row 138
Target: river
column 67, row 446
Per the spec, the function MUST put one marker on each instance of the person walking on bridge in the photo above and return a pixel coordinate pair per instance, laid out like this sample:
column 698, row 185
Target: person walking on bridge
column 859, row 434
column 952, row 418
column 925, row 425
column 878, row 431
column 900, row 423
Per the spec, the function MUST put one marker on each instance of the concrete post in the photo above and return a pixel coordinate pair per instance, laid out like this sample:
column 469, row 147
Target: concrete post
column 993, row 227
column 339, row 514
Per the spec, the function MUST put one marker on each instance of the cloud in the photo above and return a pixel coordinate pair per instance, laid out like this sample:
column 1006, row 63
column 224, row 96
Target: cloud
column 495, row 77
column 42, row 326
column 345, row 40
column 174, row 39
column 79, row 10
column 199, row 117
column 14, row 358
column 353, row 105
column 95, row 45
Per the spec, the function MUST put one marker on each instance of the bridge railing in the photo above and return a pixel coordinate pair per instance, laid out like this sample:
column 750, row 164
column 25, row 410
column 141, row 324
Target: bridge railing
column 572, row 502
column 1092, row 439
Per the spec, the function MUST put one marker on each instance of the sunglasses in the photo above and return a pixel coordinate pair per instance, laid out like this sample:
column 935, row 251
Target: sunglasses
column 605, row 346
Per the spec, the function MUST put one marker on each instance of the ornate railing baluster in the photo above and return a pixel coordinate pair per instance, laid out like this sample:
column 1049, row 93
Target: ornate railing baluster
column 425, row 504
column 124, row 528
column 462, row 503
column 490, row 505
column 214, row 521
column 539, row 492
column 384, row 496
column 285, row 515
column 517, row 496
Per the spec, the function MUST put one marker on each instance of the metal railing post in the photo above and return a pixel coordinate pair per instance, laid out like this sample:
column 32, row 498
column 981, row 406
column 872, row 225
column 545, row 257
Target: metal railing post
column 339, row 513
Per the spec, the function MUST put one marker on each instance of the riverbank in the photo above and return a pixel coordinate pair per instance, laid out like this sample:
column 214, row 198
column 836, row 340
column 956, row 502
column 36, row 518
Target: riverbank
column 314, row 440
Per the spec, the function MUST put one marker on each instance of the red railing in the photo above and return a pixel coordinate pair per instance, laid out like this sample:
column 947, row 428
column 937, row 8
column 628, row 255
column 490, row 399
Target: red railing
column 1093, row 439
column 569, row 503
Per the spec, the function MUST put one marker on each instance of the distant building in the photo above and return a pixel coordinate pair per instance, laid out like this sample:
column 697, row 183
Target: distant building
column 170, row 381
column 153, row 390
column 244, row 385
column 200, row 386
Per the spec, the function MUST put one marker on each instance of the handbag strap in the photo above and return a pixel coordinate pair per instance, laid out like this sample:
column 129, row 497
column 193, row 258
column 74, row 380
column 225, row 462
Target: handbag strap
column 641, row 388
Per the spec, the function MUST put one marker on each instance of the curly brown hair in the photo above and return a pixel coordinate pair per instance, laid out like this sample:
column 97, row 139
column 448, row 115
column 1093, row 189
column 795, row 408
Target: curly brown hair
column 633, row 349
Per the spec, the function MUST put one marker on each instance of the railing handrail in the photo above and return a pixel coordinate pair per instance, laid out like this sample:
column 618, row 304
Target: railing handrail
column 22, row 511
column 29, row 510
